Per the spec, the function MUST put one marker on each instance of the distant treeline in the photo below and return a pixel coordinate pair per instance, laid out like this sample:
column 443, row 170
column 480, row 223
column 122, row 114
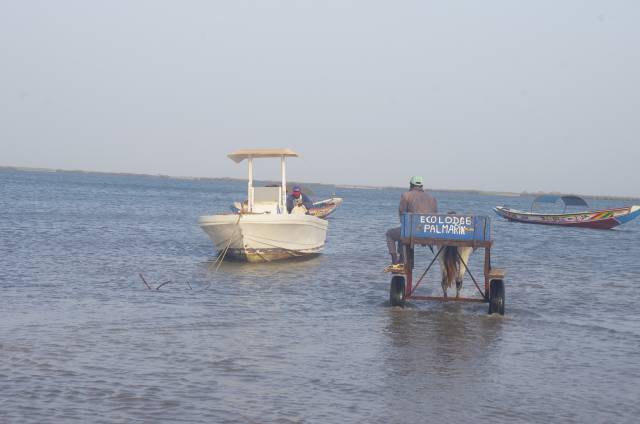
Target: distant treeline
column 336, row 186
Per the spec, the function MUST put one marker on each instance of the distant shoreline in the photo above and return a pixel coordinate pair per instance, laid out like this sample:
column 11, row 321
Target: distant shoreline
column 345, row 186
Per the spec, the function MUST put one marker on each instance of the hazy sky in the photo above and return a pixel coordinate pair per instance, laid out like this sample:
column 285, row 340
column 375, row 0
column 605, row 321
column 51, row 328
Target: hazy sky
column 495, row 95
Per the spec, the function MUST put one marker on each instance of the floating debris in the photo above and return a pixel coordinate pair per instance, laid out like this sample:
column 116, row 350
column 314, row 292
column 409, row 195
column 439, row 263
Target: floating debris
column 162, row 284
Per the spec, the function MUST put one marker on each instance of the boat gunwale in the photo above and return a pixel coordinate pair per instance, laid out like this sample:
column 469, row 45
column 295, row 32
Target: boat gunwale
column 276, row 219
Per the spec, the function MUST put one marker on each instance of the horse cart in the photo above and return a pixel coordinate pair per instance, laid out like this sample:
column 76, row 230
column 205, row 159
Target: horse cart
column 447, row 234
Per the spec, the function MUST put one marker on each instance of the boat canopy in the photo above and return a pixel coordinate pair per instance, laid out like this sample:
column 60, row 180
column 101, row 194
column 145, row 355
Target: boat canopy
column 574, row 201
column 570, row 200
column 251, row 154
column 242, row 154
column 546, row 198
column 567, row 200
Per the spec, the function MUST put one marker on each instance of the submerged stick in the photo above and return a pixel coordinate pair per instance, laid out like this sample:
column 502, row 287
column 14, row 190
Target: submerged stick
column 166, row 282
column 190, row 288
column 144, row 281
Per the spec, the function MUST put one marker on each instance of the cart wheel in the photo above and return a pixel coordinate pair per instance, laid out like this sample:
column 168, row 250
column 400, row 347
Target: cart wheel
column 396, row 291
column 496, row 297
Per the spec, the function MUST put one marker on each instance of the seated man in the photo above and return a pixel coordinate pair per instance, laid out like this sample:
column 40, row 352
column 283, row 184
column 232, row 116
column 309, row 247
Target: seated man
column 416, row 201
column 298, row 198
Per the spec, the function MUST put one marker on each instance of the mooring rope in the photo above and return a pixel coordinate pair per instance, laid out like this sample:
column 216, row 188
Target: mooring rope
column 221, row 257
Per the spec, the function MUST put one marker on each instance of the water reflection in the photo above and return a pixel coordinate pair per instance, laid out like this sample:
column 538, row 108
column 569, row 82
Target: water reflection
column 437, row 350
column 442, row 333
column 266, row 269
column 437, row 355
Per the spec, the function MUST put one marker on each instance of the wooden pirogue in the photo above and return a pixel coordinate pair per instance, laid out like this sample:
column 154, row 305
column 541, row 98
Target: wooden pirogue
column 439, row 231
column 605, row 219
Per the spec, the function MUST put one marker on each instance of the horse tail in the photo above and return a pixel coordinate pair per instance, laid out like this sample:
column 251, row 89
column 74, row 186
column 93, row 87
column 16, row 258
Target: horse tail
column 451, row 265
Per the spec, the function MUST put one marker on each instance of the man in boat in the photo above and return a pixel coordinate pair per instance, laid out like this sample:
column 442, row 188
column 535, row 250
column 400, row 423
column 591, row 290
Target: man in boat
column 297, row 197
column 415, row 201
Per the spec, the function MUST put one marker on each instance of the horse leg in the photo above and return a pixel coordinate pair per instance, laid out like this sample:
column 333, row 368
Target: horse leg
column 443, row 272
column 465, row 253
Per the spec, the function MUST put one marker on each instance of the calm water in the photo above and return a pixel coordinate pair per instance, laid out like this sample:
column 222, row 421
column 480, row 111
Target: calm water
column 83, row 340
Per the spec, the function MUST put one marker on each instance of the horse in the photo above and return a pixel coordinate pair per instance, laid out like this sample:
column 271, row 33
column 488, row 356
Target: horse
column 451, row 258
column 452, row 267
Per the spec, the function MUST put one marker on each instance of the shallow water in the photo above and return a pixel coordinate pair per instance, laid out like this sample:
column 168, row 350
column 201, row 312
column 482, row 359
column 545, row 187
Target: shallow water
column 83, row 340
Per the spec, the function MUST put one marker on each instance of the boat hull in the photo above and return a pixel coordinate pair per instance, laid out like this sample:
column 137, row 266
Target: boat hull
column 326, row 207
column 604, row 219
column 265, row 237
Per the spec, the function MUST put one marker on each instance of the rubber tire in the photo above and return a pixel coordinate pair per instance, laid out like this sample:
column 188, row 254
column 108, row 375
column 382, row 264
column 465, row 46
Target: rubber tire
column 496, row 297
column 396, row 291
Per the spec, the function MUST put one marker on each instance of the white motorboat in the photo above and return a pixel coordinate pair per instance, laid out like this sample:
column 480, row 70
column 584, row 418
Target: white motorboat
column 264, row 231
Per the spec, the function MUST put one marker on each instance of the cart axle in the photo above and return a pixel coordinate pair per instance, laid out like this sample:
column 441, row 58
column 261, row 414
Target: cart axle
column 448, row 299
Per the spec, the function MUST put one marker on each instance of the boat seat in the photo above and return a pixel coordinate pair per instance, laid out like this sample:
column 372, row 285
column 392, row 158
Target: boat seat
column 266, row 194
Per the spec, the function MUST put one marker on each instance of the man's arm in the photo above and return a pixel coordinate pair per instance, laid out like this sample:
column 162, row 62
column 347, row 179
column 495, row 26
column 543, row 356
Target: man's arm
column 403, row 206
column 289, row 204
column 306, row 201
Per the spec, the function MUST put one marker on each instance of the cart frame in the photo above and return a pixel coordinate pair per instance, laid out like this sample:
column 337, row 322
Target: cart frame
column 493, row 292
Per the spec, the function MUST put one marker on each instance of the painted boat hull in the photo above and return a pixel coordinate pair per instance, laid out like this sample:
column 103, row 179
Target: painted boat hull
column 325, row 208
column 265, row 237
column 602, row 219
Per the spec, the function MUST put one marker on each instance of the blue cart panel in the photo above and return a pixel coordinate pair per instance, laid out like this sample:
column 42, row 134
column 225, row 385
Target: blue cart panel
column 446, row 226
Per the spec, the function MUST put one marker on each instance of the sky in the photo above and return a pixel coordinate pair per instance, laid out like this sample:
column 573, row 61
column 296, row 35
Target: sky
column 489, row 95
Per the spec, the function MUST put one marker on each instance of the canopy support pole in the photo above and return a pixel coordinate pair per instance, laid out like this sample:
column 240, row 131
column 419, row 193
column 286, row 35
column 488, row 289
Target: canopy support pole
column 283, row 198
column 250, row 185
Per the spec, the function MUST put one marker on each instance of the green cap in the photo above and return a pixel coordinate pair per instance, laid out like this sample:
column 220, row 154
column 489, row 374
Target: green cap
column 416, row 180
